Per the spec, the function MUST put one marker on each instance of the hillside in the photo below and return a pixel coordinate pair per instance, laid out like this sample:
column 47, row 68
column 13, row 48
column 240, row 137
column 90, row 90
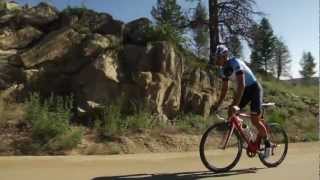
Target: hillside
column 78, row 81
column 301, row 81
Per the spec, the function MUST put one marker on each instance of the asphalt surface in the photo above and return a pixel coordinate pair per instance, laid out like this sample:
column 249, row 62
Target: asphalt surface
column 302, row 163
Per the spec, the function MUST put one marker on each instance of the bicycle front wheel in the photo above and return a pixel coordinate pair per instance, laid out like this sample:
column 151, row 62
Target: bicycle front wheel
column 279, row 146
column 213, row 154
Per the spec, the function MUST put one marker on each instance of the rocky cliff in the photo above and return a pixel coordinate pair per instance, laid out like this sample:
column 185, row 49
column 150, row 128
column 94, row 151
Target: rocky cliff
column 97, row 59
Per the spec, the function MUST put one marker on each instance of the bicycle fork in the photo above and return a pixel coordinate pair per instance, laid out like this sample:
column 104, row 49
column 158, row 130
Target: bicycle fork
column 226, row 137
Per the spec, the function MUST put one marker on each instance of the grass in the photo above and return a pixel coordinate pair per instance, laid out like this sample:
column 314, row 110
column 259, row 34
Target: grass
column 50, row 127
column 194, row 124
column 10, row 111
column 296, row 107
column 114, row 122
column 274, row 87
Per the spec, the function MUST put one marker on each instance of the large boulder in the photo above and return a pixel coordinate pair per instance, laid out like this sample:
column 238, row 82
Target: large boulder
column 155, row 86
column 17, row 39
column 198, row 91
column 99, row 82
column 160, row 57
column 91, row 21
column 136, row 32
column 55, row 47
column 38, row 16
column 9, row 6
column 167, row 61
column 10, row 75
column 97, row 43
column 113, row 27
column 159, row 71
column 134, row 59
column 5, row 55
column 56, row 71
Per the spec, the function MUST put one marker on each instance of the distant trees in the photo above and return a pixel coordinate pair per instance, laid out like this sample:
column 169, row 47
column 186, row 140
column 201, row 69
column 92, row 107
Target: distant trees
column 308, row 65
column 227, row 18
column 169, row 12
column 262, row 47
column 235, row 46
column 268, row 52
column 171, row 21
column 200, row 34
column 281, row 59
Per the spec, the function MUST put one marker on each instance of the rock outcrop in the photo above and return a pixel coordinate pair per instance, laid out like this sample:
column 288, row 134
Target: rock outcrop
column 98, row 60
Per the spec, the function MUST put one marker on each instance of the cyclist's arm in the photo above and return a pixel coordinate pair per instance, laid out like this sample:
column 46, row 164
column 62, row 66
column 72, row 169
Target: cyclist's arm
column 223, row 92
column 240, row 88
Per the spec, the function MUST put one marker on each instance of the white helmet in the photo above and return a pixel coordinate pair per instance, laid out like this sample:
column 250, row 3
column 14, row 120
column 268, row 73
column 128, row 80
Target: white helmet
column 221, row 49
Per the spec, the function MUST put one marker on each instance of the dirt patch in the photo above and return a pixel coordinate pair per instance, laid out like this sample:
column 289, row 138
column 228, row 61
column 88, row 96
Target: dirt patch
column 143, row 142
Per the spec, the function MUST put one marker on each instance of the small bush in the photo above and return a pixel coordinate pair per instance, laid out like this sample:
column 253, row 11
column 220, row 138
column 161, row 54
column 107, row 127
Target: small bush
column 110, row 122
column 49, row 121
column 10, row 110
column 76, row 10
column 277, row 117
column 67, row 140
column 165, row 32
column 311, row 136
column 193, row 123
column 141, row 120
column 115, row 122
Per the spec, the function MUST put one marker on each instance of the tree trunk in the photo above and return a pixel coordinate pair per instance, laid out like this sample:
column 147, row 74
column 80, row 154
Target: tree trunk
column 265, row 66
column 213, row 27
column 279, row 67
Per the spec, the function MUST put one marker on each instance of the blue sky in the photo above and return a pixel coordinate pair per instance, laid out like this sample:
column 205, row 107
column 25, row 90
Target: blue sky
column 295, row 21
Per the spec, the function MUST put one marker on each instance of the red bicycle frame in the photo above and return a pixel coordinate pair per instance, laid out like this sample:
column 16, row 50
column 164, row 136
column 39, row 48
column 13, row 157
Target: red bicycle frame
column 236, row 124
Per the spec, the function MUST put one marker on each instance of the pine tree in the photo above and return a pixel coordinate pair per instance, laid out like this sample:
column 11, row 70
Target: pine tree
column 281, row 59
column 229, row 17
column 263, row 46
column 308, row 65
column 201, row 33
column 168, row 12
column 235, row 46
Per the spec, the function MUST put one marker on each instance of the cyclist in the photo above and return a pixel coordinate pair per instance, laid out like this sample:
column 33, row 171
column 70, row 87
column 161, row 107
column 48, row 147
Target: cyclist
column 248, row 90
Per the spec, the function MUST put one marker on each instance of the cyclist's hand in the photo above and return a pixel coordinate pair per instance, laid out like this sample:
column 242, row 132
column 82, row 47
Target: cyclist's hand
column 232, row 109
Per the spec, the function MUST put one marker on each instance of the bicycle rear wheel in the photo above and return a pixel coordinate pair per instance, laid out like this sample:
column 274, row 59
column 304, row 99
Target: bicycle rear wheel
column 279, row 144
column 213, row 156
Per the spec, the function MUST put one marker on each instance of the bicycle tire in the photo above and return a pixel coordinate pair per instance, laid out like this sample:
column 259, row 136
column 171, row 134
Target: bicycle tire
column 204, row 160
column 271, row 127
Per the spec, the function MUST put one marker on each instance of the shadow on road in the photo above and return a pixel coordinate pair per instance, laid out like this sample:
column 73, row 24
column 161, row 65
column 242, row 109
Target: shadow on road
column 179, row 176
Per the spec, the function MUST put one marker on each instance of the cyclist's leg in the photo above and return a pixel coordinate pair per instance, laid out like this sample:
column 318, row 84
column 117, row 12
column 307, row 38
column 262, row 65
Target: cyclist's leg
column 256, row 109
column 245, row 99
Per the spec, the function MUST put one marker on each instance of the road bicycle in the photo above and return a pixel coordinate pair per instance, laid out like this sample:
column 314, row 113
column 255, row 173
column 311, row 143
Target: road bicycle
column 222, row 143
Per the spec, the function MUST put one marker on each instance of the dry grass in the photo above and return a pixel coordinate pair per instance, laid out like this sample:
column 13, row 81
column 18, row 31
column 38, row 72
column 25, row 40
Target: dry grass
column 10, row 111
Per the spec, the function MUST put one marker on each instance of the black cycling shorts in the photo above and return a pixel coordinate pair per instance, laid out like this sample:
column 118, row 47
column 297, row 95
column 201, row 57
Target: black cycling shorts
column 254, row 95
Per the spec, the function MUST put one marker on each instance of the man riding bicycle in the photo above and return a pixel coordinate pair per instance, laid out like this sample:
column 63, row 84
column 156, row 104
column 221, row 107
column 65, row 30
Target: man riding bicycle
column 248, row 90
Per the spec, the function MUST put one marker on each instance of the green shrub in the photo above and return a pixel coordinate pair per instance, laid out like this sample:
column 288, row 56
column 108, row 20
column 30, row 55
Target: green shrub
column 141, row 120
column 49, row 119
column 67, row 140
column 110, row 122
column 311, row 136
column 114, row 121
column 276, row 87
column 193, row 123
column 165, row 32
column 75, row 10
column 277, row 117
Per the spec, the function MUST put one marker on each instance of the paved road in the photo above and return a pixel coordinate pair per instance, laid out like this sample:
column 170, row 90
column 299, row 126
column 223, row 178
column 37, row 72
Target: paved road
column 302, row 163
